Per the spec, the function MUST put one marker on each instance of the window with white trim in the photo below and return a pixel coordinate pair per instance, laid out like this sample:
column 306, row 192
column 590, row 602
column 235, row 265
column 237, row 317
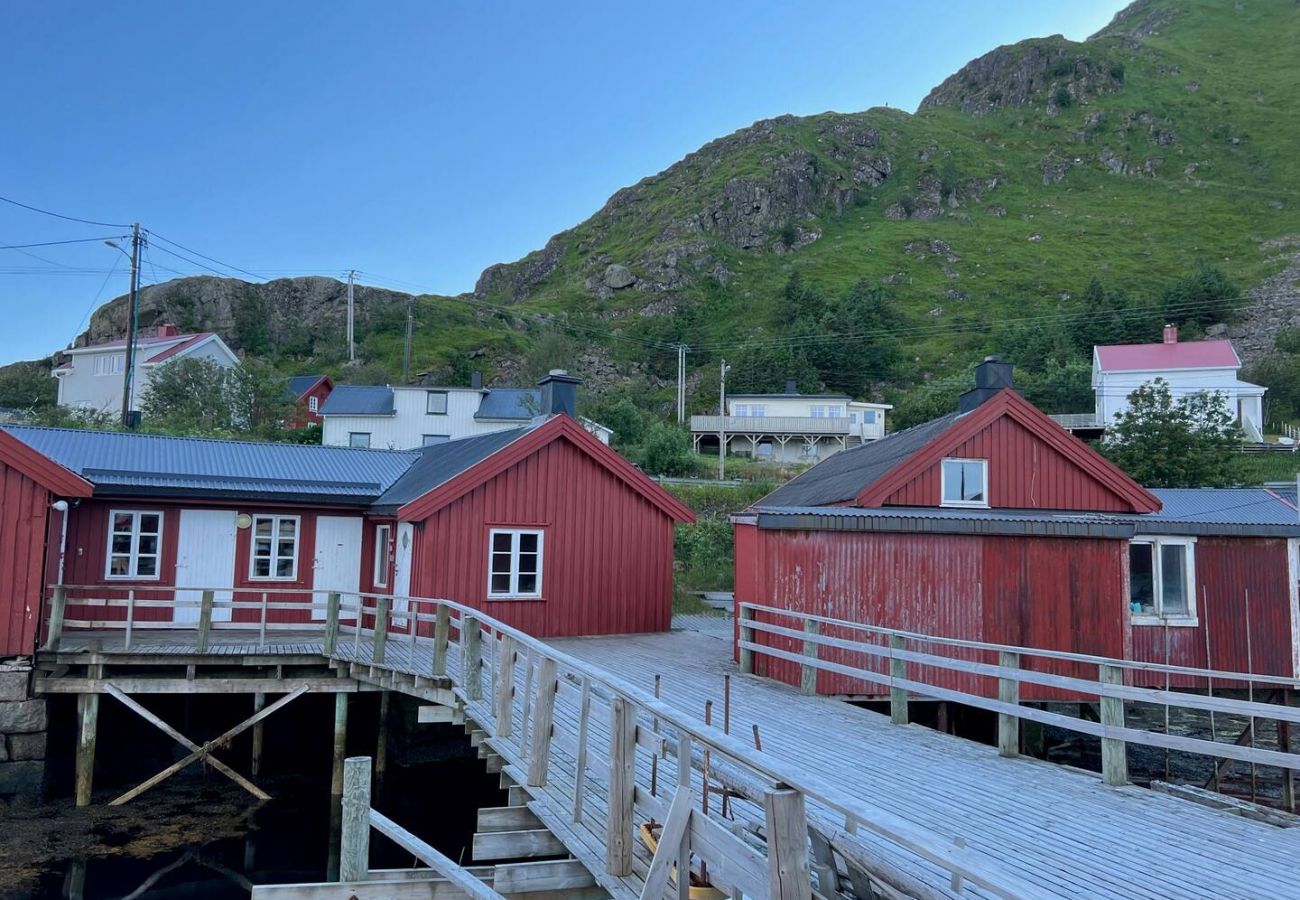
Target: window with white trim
column 313, row 403
column 359, row 439
column 436, row 403
column 514, row 562
column 274, row 555
column 383, row 534
column 964, row 482
column 1162, row 580
column 428, row 440
column 134, row 544
column 869, row 417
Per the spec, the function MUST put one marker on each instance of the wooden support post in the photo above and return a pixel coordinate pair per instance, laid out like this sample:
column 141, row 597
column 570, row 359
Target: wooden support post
column 1114, row 751
column 381, row 739
column 88, row 713
column 255, row 767
column 381, row 630
column 681, row 844
column 808, row 674
column 622, row 788
column 1288, row 775
column 471, row 656
column 746, row 634
column 787, row 845
column 543, row 718
column 1008, row 692
column 580, row 765
column 354, row 841
column 441, row 635
column 505, row 698
column 205, row 620
column 58, row 606
column 341, row 746
column 332, row 604
column 897, row 670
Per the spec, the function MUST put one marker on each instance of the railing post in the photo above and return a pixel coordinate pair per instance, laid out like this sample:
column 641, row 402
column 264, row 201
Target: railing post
column 381, row 630
column 471, row 649
column 787, row 845
column 1114, row 751
column 543, row 717
column 205, row 620
column 332, row 603
column 897, row 672
column 746, row 635
column 622, row 788
column 807, row 673
column 354, row 840
column 58, row 605
column 1008, row 692
column 441, row 634
column 505, row 687
column 580, row 763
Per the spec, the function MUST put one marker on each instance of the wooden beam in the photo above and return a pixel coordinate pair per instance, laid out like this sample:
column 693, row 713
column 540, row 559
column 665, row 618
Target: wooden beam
column 787, row 845
column 340, row 744
column 332, row 603
column 426, row 854
column 58, row 605
column 255, row 766
column 668, row 850
column 507, row 818
column 505, row 685
column 441, row 636
column 543, row 723
column 205, row 621
column 398, row 889
column 381, row 630
column 354, row 842
column 526, row 844
column 746, row 655
column 471, row 657
column 88, row 718
column 622, row 788
column 564, row 875
column 897, row 694
column 1114, row 752
column 808, row 674
column 215, row 685
column 436, row 714
column 580, row 764
column 1008, row 692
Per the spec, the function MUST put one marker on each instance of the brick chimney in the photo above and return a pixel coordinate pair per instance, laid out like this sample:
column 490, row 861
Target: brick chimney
column 991, row 376
column 1171, row 334
column 559, row 393
column 168, row 330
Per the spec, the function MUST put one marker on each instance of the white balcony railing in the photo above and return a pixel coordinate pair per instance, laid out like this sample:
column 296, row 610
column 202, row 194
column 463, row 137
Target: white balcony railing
column 770, row 425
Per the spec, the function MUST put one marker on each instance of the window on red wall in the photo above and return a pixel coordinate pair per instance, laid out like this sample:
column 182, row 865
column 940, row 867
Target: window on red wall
column 274, row 553
column 382, row 535
column 134, row 544
column 514, row 563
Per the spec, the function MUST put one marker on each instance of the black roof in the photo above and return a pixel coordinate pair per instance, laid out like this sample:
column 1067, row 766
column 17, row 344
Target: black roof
column 439, row 463
column 298, row 385
column 841, row 477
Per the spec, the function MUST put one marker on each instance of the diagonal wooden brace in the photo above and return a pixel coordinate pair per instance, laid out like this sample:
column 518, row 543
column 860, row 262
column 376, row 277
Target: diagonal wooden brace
column 198, row 752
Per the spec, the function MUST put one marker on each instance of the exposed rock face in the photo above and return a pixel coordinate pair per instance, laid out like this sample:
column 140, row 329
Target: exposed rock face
column 1272, row 304
column 515, row 279
column 618, row 277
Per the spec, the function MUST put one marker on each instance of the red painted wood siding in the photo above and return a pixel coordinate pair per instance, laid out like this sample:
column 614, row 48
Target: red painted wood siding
column 1227, row 571
column 1047, row 592
column 1024, row 473
column 608, row 553
column 24, row 512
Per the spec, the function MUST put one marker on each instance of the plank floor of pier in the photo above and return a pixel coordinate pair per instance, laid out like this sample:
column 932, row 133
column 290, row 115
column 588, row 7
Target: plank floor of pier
column 1054, row 826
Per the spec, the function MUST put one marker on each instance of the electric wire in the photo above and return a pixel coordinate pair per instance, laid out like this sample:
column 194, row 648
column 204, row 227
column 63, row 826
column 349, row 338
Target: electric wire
column 46, row 212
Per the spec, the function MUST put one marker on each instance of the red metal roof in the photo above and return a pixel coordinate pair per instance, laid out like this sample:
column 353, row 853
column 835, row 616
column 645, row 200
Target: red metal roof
column 142, row 341
column 1173, row 355
column 190, row 341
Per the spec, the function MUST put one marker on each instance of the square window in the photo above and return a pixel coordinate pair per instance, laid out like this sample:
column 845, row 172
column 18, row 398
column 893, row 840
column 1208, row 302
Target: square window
column 436, row 403
column 964, row 482
column 134, row 544
column 274, row 551
column 1162, row 579
column 359, row 439
column 515, row 563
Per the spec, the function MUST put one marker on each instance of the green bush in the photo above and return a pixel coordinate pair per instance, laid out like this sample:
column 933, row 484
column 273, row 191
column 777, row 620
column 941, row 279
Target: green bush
column 667, row 451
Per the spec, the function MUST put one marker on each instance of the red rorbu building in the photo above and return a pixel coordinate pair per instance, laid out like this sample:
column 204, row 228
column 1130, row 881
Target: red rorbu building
column 308, row 393
column 541, row 526
column 994, row 524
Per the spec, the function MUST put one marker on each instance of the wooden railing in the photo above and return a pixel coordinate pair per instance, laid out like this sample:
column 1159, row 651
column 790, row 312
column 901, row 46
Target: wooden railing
column 771, row 425
column 899, row 660
column 597, row 751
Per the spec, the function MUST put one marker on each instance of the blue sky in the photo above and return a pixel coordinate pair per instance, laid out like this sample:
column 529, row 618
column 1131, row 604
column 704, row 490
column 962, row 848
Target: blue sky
column 418, row 142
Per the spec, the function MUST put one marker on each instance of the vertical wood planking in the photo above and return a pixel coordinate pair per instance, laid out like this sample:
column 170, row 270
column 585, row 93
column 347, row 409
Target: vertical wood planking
column 88, row 710
column 622, row 787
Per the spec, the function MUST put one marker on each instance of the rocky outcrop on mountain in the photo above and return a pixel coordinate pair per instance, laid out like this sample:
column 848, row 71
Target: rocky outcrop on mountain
column 1272, row 303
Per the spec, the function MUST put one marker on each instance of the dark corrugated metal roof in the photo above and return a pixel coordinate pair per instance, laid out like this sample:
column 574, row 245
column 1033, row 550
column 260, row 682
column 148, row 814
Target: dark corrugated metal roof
column 439, row 463
column 1247, row 511
column 789, row 396
column 358, row 400
column 301, row 384
column 122, row 463
column 842, row 477
column 510, row 403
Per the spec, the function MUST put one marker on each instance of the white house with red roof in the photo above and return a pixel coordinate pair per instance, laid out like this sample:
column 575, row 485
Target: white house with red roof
column 1186, row 366
column 92, row 377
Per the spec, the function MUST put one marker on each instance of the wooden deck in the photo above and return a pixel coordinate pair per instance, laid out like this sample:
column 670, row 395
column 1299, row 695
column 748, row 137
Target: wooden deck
column 1053, row 831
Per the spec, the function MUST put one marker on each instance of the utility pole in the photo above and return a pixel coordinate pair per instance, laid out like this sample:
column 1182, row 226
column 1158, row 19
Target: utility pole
column 352, row 346
column 681, row 383
column 132, row 327
column 722, row 421
column 406, row 355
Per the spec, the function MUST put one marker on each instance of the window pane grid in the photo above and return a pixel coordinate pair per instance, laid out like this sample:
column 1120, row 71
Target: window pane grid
column 1162, row 579
column 274, row 548
column 514, row 563
column 134, row 544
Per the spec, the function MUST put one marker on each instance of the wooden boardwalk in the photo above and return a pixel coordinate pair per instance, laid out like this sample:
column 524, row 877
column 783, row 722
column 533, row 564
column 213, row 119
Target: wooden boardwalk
column 1046, row 830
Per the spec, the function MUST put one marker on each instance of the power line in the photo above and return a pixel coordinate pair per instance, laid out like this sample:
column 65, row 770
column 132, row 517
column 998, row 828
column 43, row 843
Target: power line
column 111, row 237
column 46, row 212
column 201, row 255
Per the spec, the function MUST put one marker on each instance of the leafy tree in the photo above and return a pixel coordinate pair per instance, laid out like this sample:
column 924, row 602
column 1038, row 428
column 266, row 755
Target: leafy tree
column 27, row 386
column 667, row 451
column 251, row 317
column 552, row 350
column 1204, row 297
column 765, row 368
column 873, row 352
column 188, row 396
column 73, row 417
column 800, row 305
column 930, row 401
column 1110, row 318
column 1060, row 388
column 1280, row 373
column 255, row 397
column 1163, row 441
column 625, row 418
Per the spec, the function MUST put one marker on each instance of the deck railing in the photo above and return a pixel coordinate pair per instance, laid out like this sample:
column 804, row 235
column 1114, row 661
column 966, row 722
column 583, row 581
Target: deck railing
column 771, row 425
column 598, row 750
column 909, row 664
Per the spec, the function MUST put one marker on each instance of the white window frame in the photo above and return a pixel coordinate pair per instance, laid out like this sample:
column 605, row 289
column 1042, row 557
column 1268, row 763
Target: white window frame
column 134, row 564
column 383, row 538
column 1189, row 619
column 276, row 519
column 428, row 401
column 514, row 593
column 943, row 483
column 352, row 435
column 442, row 439
column 313, row 403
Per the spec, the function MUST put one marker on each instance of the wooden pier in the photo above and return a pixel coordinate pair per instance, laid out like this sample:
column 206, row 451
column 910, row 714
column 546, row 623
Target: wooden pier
column 838, row 802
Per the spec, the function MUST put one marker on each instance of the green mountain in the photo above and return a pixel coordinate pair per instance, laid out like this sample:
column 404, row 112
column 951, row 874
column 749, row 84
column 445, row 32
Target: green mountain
column 1158, row 157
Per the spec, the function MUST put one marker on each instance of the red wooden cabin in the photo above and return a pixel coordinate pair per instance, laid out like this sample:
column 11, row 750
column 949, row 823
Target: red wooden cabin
column 994, row 524
column 542, row 526
column 308, row 393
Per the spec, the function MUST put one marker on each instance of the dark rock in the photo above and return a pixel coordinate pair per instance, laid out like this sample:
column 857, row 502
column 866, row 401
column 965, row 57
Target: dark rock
column 13, row 685
column 514, row 280
column 1054, row 168
column 22, row 717
column 1218, row 329
column 617, row 277
column 24, row 780
column 896, row 211
column 1113, row 162
column 27, row 746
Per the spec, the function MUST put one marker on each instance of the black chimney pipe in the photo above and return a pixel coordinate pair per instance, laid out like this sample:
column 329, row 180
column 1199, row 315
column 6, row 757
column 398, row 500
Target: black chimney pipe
column 559, row 393
column 991, row 376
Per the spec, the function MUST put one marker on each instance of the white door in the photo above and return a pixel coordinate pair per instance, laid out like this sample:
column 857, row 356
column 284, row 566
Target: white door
column 337, row 564
column 402, row 571
column 205, row 558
